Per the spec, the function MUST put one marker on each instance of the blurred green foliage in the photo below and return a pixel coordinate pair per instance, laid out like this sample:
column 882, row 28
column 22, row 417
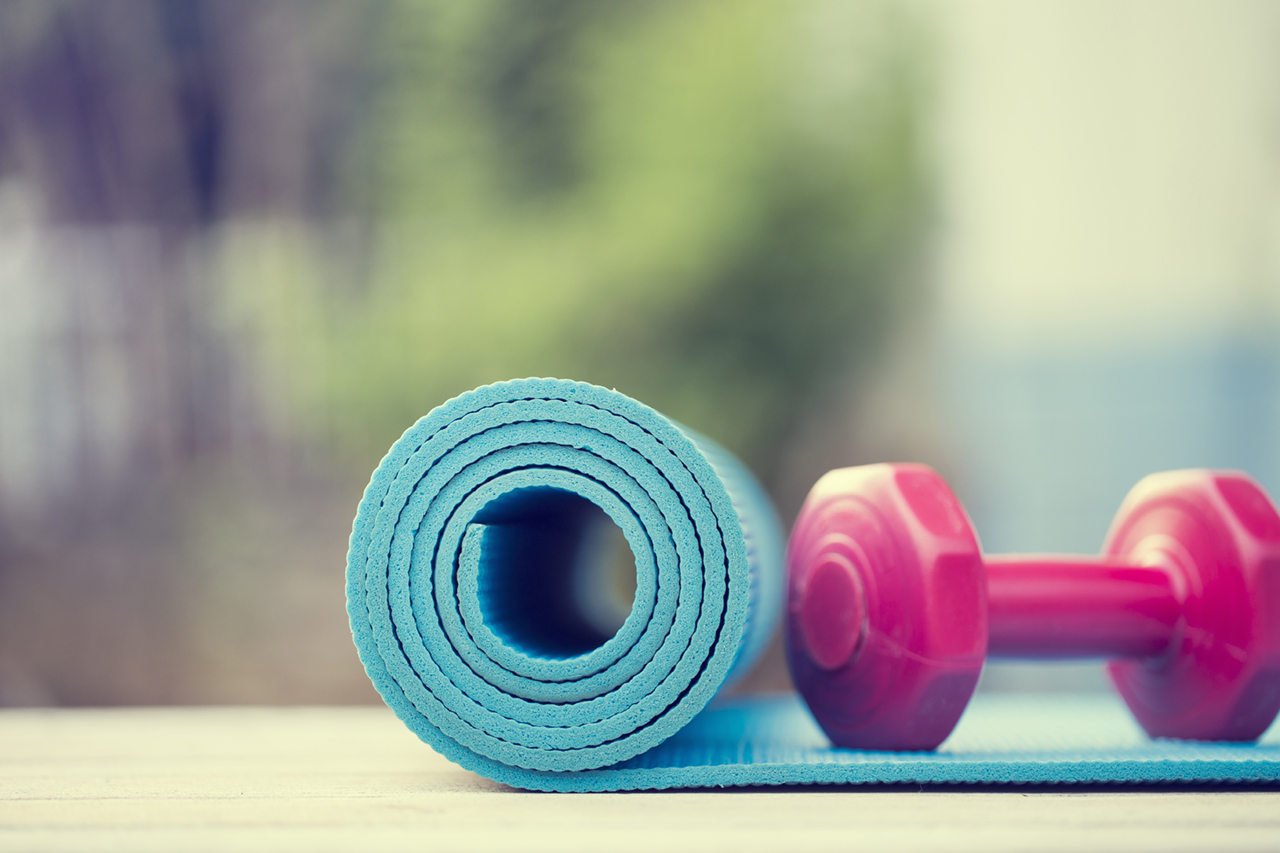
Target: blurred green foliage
column 713, row 207
column 245, row 243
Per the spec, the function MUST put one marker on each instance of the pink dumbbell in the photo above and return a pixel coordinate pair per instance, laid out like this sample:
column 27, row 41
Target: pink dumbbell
column 893, row 607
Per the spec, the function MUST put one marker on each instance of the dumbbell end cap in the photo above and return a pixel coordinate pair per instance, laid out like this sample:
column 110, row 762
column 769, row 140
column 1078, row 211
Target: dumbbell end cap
column 887, row 620
column 1218, row 534
column 833, row 617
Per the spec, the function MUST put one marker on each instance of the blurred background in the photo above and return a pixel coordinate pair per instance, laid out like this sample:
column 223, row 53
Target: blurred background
column 245, row 244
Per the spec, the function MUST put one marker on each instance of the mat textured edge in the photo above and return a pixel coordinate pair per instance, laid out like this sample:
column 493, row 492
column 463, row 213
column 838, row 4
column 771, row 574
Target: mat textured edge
column 1047, row 739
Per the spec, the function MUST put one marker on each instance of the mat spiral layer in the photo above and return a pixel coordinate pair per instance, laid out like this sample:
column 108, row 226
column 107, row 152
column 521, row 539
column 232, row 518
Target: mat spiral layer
column 467, row 596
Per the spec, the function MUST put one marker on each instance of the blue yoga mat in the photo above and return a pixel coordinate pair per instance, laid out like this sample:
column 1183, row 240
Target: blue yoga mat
column 1015, row 739
column 477, row 621
column 469, row 614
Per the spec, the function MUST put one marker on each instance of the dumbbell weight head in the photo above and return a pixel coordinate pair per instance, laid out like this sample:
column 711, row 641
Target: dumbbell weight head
column 888, row 613
column 1219, row 535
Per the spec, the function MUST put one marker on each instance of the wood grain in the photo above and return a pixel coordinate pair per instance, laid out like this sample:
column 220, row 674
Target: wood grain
column 283, row 779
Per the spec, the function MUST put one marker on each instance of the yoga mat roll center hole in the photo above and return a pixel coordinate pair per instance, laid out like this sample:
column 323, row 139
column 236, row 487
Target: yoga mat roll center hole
column 556, row 576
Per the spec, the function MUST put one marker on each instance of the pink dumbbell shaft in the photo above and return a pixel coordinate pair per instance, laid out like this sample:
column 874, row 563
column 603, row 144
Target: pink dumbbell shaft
column 1049, row 606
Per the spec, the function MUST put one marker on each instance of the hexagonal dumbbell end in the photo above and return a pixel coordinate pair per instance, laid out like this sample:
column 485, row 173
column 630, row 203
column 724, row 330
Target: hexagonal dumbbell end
column 887, row 620
column 1219, row 535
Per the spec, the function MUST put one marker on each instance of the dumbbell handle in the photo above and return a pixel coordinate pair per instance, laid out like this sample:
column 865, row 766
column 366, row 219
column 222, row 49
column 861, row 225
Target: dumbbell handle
column 1045, row 606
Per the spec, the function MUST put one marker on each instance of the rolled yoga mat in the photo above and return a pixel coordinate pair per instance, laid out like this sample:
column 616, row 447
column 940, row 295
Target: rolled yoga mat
column 475, row 615
column 478, row 621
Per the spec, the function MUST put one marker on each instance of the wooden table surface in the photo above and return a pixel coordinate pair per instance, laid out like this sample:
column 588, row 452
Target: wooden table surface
column 356, row 779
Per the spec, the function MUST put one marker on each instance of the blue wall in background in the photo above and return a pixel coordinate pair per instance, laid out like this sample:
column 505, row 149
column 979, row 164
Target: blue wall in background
column 1050, row 444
